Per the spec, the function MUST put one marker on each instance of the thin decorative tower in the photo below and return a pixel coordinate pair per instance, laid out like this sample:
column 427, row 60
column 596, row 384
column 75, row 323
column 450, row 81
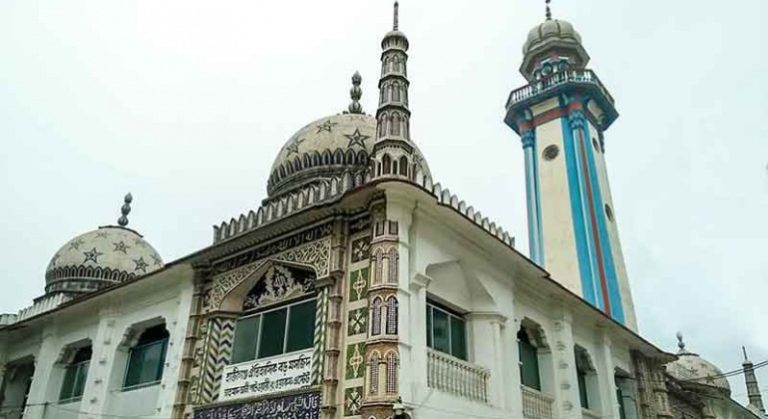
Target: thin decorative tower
column 753, row 389
column 394, row 154
column 561, row 116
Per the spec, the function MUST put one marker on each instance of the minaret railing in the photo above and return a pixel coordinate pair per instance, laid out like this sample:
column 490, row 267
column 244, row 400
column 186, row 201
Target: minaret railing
column 585, row 77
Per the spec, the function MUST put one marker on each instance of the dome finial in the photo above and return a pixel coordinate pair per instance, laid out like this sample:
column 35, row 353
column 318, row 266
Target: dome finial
column 355, row 93
column 125, row 210
column 396, row 19
column 680, row 342
column 549, row 11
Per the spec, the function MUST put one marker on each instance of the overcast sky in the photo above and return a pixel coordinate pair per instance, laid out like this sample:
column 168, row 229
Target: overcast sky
column 186, row 103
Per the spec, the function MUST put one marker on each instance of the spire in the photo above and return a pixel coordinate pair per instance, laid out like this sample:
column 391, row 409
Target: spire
column 753, row 388
column 396, row 17
column 549, row 11
column 356, row 93
column 125, row 210
column 394, row 155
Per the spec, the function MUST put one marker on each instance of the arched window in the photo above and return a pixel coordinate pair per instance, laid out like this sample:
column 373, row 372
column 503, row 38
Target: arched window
column 392, row 266
column 392, row 315
column 373, row 374
column 385, row 66
column 279, row 315
column 75, row 375
column 378, row 262
column 529, row 360
column 391, row 361
column 394, row 129
column 403, row 166
column 387, row 163
column 589, row 391
column 396, row 92
column 390, row 92
column 147, row 358
column 376, row 317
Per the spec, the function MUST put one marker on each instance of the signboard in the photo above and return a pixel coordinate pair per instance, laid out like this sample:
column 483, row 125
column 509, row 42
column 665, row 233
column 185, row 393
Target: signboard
column 297, row 406
column 266, row 376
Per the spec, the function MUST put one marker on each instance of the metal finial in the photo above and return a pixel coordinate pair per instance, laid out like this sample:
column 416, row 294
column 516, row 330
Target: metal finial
column 356, row 93
column 549, row 11
column 680, row 342
column 396, row 20
column 125, row 210
column 746, row 358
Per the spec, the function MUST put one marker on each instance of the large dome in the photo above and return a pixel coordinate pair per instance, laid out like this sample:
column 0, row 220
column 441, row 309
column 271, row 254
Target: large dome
column 326, row 147
column 692, row 369
column 99, row 258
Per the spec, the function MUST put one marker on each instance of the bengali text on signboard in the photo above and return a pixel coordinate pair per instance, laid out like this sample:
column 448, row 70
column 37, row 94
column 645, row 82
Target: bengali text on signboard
column 266, row 376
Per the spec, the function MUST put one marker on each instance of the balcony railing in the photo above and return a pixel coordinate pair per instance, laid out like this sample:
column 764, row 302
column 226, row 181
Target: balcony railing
column 584, row 77
column 455, row 376
column 536, row 405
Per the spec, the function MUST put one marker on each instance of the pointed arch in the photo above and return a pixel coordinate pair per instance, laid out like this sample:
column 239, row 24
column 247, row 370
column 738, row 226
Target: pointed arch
column 392, row 367
column 376, row 308
column 338, row 156
column 392, row 313
column 396, row 121
column 396, row 92
column 373, row 372
column 392, row 261
column 386, row 162
column 404, row 166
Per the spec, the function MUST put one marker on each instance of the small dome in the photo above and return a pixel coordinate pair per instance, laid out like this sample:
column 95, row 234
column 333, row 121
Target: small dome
column 693, row 369
column 99, row 258
column 327, row 147
column 551, row 31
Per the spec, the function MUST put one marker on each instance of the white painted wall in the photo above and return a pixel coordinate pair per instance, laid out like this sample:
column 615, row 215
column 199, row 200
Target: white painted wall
column 446, row 265
column 164, row 297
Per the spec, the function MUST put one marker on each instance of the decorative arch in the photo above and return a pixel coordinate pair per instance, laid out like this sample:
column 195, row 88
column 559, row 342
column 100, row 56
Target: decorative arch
column 373, row 373
column 404, row 166
column 392, row 361
column 392, row 264
column 378, row 260
column 392, row 313
column 386, row 163
column 376, row 308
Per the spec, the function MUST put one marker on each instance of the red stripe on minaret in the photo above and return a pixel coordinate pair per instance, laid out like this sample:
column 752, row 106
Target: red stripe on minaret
column 593, row 219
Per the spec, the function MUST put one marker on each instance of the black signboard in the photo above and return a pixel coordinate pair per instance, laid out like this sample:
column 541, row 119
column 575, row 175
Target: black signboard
column 296, row 406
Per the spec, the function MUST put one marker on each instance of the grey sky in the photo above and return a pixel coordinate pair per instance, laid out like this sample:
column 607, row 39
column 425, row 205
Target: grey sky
column 186, row 103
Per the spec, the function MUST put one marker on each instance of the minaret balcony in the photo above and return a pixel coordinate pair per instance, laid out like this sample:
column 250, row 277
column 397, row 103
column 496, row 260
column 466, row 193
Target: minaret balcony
column 583, row 82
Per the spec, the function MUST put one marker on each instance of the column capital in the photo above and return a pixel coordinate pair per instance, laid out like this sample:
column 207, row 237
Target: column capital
column 528, row 137
column 577, row 119
column 420, row 281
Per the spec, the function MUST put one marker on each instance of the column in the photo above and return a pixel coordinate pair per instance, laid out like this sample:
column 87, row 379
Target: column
column 104, row 346
column 606, row 375
column 37, row 399
column 567, row 403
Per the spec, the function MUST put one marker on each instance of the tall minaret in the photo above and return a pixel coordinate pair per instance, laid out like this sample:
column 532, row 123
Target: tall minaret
column 753, row 389
column 562, row 115
column 394, row 154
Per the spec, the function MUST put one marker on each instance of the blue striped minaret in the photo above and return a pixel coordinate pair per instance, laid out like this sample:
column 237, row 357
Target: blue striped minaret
column 561, row 116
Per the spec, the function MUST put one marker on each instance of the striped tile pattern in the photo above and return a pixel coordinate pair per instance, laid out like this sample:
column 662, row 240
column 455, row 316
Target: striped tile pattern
column 221, row 334
column 318, row 353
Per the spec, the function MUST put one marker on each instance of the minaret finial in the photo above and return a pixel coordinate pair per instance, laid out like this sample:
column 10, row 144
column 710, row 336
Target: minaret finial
column 125, row 210
column 549, row 11
column 396, row 19
column 744, row 349
column 356, row 93
column 680, row 342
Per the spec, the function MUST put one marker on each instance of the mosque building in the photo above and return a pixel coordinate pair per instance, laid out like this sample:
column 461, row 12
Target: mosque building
column 362, row 288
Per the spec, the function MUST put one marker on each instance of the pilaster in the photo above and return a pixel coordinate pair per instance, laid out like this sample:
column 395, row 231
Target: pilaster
column 37, row 399
column 567, row 403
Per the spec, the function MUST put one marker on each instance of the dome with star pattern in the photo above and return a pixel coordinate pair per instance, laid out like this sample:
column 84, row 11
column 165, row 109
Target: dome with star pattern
column 100, row 258
column 324, row 148
column 693, row 370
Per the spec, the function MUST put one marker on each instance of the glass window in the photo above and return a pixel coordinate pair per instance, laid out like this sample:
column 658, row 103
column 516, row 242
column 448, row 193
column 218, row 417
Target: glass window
column 75, row 376
column 147, row 358
column 246, row 339
column 273, row 333
column 446, row 332
column 286, row 329
column 529, row 361
column 301, row 327
column 582, row 370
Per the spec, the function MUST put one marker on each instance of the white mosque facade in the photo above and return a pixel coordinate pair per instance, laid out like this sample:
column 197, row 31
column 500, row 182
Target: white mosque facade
column 364, row 289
